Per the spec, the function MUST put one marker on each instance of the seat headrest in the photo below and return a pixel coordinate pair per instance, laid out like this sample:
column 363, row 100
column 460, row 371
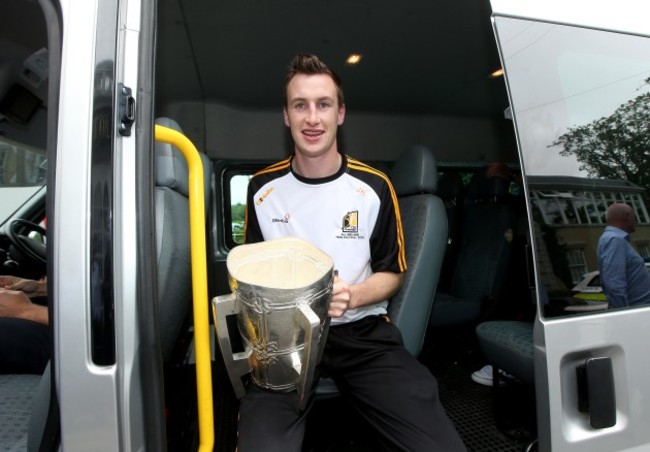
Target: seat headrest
column 170, row 166
column 415, row 172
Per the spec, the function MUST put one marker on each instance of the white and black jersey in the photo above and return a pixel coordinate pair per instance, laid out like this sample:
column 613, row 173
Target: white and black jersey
column 352, row 215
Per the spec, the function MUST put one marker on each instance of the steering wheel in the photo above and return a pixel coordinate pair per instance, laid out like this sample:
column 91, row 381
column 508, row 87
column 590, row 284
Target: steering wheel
column 30, row 248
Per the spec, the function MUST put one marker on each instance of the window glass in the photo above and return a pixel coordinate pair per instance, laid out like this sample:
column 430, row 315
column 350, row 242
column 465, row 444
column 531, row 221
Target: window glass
column 551, row 209
column 577, row 264
column 581, row 203
column 644, row 250
column 237, row 201
column 22, row 173
column 580, row 101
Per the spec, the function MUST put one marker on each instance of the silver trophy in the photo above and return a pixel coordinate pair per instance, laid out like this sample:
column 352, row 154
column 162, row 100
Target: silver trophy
column 281, row 291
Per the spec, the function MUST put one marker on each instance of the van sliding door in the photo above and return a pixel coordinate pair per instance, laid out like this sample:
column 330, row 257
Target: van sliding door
column 578, row 77
column 98, row 347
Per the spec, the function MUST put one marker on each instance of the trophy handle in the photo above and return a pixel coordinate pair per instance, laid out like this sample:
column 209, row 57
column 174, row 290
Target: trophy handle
column 326, row 325
column 237, row 364
column 310, row 323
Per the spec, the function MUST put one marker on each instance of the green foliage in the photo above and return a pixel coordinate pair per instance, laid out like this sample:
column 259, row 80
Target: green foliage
column 616, row 146
column 238, row 212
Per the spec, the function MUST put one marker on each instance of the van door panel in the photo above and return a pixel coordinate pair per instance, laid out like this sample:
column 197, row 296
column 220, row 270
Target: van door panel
column 574, row 91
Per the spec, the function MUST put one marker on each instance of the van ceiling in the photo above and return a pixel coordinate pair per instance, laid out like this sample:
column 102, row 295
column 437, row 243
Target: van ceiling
column 420, row 57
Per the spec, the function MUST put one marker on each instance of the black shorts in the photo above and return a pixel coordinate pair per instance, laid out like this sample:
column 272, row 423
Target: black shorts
column 388, row 386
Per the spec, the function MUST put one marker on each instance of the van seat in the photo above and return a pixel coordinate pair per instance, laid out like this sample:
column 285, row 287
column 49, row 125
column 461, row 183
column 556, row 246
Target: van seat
column 508, row 345
column 16, row 394
column 452, row 192
column 483, row 258
column 173, row 239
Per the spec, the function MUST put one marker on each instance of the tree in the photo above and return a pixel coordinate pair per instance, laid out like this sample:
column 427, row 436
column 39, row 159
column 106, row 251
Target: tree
column 616, row 146
column 238, row 212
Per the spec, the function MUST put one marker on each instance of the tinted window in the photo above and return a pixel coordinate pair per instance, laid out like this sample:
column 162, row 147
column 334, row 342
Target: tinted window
column 581, row 103
column 22, row 173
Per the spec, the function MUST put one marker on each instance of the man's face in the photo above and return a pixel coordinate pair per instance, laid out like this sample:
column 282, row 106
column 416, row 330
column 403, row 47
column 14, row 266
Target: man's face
column 313, row 114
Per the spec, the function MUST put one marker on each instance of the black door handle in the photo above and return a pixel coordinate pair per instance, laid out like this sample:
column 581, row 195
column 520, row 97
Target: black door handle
column 596, row 394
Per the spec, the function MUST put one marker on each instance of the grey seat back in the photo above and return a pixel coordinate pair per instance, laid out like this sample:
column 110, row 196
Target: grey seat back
column 485, row 250
column 424, row 221
column 452, row 192
column 486, row 241
column 173, row 238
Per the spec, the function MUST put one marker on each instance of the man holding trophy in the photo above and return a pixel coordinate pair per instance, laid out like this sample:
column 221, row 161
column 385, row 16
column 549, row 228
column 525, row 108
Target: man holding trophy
column 348, row 210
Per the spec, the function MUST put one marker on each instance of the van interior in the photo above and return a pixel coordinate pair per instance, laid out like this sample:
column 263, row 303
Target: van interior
column 424, row 76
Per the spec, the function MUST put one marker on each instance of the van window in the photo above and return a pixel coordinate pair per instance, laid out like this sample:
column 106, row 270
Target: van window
column 238, row 185
column 22, row 174
column 582, row 133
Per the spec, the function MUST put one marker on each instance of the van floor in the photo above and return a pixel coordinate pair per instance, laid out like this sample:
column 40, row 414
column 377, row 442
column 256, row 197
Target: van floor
column 488, row 420
column 470, row 406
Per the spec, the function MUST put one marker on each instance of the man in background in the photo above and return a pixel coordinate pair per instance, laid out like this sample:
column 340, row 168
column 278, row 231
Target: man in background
column 623, row 274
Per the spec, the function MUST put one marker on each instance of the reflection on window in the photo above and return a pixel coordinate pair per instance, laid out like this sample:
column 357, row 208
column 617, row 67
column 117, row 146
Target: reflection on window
column 595, row 281
column 549, row 207
column 581, row 102
column 22, row 174
column 640, row 210
column 581, row 203
column 644, row 250
column 21, row 166
column 577, row 264
column 559, row 207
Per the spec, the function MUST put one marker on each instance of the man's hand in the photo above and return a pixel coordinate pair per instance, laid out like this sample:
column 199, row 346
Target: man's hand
column 378, row 287
column 341, row 297
column 29, row 286
column 15, row 304
column 7, row 281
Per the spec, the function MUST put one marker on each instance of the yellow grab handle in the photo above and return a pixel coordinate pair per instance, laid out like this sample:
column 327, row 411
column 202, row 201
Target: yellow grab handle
column 199, row 282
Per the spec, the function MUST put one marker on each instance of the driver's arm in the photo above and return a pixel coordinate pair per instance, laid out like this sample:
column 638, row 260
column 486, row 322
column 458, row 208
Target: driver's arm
column 30, row 287
column 15, row 304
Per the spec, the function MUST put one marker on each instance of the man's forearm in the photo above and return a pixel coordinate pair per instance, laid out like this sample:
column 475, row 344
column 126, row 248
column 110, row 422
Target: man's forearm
column 41, row 290
column 37, row 313
column 378, row 287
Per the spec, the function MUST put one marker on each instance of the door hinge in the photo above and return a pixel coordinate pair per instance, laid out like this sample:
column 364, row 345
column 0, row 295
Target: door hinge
column 127, row 110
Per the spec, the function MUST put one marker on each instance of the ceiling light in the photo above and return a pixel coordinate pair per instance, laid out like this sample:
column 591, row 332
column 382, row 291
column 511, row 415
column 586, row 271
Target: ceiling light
column 497, row 73
column 353, row 59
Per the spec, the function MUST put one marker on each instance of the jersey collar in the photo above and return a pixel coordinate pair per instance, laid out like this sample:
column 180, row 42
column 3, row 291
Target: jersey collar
column 321, row 180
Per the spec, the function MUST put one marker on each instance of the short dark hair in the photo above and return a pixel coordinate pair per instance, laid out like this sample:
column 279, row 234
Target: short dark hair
column 310, row 64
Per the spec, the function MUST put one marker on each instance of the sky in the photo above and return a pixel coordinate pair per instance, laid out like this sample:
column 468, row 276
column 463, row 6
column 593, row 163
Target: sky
column 562, row 77
column 238, row 186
